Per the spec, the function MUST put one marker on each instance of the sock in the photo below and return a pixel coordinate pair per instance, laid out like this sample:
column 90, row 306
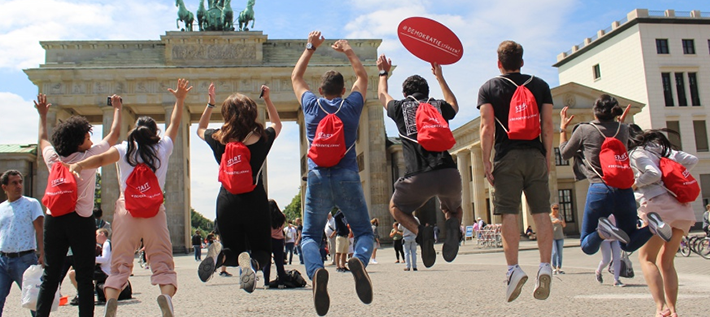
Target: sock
column 542, row 265
column 512, row 267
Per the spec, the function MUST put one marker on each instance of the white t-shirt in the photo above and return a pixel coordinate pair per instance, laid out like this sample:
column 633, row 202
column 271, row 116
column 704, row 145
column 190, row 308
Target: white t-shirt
column 105, row 258
column 17, row 231
column 290, row 234
column 163, row 150
column 86, row 185
column 330, row 226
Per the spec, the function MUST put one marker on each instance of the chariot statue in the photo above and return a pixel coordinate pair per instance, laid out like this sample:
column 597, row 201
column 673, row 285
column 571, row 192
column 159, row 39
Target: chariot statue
column 217, row 16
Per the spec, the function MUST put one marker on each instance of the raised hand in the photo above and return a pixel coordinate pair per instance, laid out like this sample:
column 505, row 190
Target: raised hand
column 384, row 63
column 211, row 94
column 182, row 89
column 116, row 102
column 266, row 92
column 436, row 70
column 341, row 46
column 74, row 169
column 564, row 120
column 622, row 117
column 315, row 38
column 41, row 104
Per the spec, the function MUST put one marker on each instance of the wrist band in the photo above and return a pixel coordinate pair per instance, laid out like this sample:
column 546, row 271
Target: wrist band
column 209, row 105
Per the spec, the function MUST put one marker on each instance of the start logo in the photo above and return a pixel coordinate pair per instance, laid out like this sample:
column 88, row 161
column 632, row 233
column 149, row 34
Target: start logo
column 521, row 108
column 622, row 157
column 58, row 181
column 143, row 188
column 235, row 160
column 686, row 173
column 324, row 135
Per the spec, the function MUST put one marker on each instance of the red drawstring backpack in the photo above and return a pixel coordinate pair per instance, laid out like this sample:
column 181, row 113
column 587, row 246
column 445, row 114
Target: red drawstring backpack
column 61, row 194
column 143, row 193
column 433, row 132
column 235, row 168
column 678, row 181
column 523, row 115
column 328, row 145
column 614, row 162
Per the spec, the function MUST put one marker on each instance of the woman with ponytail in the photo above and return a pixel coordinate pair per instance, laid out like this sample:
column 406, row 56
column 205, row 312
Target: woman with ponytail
column 602, row 198
column 657, row 256
column 144, row 148
column 244, row 218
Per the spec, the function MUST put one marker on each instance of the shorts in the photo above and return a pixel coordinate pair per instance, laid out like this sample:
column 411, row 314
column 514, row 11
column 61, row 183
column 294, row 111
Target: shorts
column 521, row 170
column 677, row 215
column 341, row 244
column 412, row 192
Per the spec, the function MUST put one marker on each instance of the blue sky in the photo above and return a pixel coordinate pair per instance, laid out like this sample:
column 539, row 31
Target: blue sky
column 544, row 28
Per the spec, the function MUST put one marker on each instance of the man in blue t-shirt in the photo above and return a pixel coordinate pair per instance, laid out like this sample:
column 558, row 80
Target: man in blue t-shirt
column 339, row 185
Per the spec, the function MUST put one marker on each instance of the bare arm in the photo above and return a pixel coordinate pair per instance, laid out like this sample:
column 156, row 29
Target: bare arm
column 96, row 161
column 448, row 94
column 207, row 114
column 299, row 84
column 42, row 108
column 383, row 63
column 487, row 139
column 547, row 131
column 180, row 93
column 360, row 84
column 271, row 109
column 115, row 132
column 39, row 235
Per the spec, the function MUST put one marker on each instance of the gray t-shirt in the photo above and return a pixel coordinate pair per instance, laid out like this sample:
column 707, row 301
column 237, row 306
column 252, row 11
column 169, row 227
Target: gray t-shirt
column 408, row 235
column 586, row 138
column 557, row 231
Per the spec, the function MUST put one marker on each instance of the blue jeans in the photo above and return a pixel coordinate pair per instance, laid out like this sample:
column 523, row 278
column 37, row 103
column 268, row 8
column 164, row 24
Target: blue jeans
column 410, row 253
column 11, row 270
column 328, row 188
column 603, row 201
column 198, row 252
column 288, row 252
column 557, row 245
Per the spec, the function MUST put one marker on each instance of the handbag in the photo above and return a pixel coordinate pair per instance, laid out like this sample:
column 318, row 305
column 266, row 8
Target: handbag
column 626, row 269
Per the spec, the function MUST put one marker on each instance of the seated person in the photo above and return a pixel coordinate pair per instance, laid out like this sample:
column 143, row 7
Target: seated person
column 103, row 265
column 530, row 234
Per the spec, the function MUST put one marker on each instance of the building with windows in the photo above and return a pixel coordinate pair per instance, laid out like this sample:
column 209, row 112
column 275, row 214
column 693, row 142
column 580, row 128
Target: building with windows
column 660, row 59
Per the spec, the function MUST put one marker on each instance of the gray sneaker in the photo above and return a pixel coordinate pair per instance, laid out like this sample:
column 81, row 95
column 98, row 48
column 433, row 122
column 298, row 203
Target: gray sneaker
column 598, row 275
column 209, row 264
column 658, row 227
column 247, row 277
column 166, row 305
column 607, row 230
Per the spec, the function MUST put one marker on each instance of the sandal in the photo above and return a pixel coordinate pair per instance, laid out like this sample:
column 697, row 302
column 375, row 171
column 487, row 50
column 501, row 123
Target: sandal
column 664, row 313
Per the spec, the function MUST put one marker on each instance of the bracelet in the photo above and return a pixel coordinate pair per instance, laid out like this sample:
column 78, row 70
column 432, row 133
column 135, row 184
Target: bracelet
column 209, row 105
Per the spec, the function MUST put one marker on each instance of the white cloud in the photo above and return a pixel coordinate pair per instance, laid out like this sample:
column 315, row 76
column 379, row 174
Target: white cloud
column 20, row 122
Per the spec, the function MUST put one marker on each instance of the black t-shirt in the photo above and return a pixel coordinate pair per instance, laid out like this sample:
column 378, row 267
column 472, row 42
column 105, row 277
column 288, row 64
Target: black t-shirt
column 258, row 150
column 197, row 240
column 498, row 92
column 416, row 158
column 341, row 227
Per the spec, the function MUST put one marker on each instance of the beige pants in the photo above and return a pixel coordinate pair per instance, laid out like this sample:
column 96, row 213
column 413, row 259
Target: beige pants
column 127, row 234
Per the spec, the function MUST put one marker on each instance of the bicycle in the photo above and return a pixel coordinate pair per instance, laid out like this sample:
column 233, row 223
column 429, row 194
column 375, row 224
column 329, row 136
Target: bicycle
column 684, row 248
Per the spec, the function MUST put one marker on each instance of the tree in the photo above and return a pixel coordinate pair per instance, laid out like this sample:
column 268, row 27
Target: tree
column 293, row 210
column 97, row 191
column 200, row 222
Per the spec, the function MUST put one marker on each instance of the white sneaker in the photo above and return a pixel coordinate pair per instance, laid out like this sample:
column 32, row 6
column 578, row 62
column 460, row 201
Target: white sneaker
column 618, row 283
column 516, row 280
column 658, row 227
column 373, row 261
column 166, row 305
column 542, row 285
column 110, row 308
column 607, row 230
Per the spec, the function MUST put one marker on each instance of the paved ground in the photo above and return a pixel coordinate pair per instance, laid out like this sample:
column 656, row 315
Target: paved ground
column 472, row 285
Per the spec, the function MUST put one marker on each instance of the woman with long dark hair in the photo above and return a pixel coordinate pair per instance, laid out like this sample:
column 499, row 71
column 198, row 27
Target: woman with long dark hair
column 603, row 199
column 244, row 220
column 277, row 245
column 657, row 256
column 144, row 146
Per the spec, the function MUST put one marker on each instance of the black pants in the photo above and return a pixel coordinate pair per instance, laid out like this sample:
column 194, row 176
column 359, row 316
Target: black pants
column 277, row 248
column 60, row 233
column 244, row 224
column 398, row 249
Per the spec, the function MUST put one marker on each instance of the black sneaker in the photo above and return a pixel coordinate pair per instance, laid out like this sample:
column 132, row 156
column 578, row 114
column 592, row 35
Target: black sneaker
column 453, row 236
column 209, row 264
column 426, row 242
column 321, row 300
column 74, row 301
column 363, row 285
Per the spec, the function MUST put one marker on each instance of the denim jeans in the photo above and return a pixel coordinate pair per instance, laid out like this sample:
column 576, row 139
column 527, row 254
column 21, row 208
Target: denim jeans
column 557, row 245
column 198, row 252
column 11, row 270
column 288, row 252
column 328, row 188
column 603, row 201
column 410, row 253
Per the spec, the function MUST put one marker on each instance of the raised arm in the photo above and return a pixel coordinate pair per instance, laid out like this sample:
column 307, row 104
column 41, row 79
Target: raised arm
column 109, row 157
column 271, row 109
column 448, row 94
column 42, row 108
column 315, row 39
column 112, row 137
column 487, row 138
column 384, row 64
column 180, row 93
column 360, row 84
column 207, row 114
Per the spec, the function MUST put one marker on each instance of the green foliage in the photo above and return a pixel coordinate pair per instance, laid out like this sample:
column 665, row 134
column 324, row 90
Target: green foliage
column 293, row 210
column 97, row 192
column 200, row 222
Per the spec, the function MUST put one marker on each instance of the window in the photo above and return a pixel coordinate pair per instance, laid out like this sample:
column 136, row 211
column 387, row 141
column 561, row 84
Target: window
column 597, row 71
column 674, row 138
column 565, row 201
column 688, row 46
column 667, row 89
column 470, row 174
column 693, row 83
column 701, row 136
column 708, row 45
column 705, row 187
column 558, row 158
column 680, row 89
column 662, row 46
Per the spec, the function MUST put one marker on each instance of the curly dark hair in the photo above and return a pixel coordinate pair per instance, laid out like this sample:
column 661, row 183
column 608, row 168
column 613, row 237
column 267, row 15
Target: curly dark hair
column 332, row 83
column 140, row 143
column 414, row 84
column 70, row 134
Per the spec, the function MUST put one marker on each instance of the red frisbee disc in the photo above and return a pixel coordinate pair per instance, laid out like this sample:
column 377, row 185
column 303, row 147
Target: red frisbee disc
column 430, row 40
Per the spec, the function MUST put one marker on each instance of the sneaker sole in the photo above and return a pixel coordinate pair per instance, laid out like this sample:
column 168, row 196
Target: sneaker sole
column 111, row 306
column 518, row 289
column 363, row 285
column 542, row 291
column 165, row 306
column 427, row 246
column 662, row 229
column 247, row 278
column 321, row 300
column 207, row 267
column 451, row 244
column 615, row 232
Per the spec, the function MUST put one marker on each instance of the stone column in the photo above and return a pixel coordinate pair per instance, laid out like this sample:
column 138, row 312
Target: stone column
column 110, row 190
column 375, row 156
column 465, row 187
column 177, row 184
column 303, row 159
column 478, row 184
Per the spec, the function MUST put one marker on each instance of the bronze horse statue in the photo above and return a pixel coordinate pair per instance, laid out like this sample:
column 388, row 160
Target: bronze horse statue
column 184, row 15
column 247, row 15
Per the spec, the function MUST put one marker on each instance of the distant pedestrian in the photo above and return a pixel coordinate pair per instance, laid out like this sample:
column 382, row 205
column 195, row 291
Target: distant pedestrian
column 436, row 233
column 396, row 235
column 277, row 246
column 410, row 247
column 291, row 235
column 558, row 238
column 611, row 251
column 376, row 245
column 342, row 241
column 197, row 245
column 330, row 236
column 299, row 238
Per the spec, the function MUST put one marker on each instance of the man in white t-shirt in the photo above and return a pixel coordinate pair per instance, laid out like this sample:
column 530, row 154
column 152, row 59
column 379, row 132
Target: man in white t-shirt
column 290, row 233
column 21, row 221
column 71, row 142
column 329, row 229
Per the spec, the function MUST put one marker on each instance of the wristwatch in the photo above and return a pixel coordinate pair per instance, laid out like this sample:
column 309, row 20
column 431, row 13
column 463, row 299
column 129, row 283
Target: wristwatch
column 383, row 73
column 309, row 46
